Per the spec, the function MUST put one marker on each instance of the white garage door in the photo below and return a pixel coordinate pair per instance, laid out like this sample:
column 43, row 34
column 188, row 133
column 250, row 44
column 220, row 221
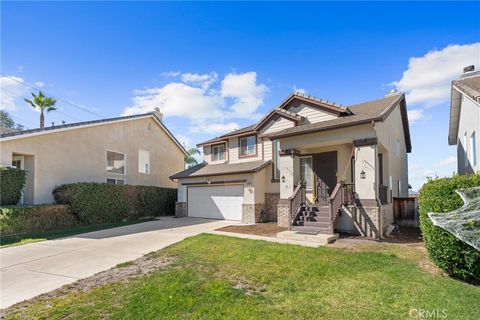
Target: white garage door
column 216, row 202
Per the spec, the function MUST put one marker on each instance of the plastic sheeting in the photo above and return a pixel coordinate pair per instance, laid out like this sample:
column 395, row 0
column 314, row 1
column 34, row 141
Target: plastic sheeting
column 463, row 223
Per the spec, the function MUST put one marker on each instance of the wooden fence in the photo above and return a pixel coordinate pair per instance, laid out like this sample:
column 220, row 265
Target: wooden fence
column 405, row 212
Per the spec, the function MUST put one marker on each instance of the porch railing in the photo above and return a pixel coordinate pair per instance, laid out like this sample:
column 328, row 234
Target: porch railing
column 296, row 201
column 336, row 201
column 348, row 194
column 383, row 194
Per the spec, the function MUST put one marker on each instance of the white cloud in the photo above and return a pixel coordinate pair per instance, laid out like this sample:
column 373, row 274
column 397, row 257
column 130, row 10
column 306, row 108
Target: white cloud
column 39, row 84
column 415, row 115
column 12, row 92
column 214, row 128
column 427, row 78
column 299, row 90
column 447, row 162
column 170, row 74
column 207, row 103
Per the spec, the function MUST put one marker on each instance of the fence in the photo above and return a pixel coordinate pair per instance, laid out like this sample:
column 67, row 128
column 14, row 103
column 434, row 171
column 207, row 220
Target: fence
column 405, row 212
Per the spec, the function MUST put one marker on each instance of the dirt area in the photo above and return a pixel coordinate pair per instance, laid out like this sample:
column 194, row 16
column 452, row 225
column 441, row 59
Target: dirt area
column 259, row 229
column 121, row 273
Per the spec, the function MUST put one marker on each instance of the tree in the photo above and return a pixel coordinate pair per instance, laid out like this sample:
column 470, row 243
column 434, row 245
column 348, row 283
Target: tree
column 7, row 121
column 43, row 103
column 190, row 159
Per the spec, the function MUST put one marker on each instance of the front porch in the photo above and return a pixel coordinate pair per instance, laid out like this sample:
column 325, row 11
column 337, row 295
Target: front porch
column 334, row 186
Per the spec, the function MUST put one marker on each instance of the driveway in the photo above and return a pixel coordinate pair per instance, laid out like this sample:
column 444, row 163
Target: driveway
column 29, row 270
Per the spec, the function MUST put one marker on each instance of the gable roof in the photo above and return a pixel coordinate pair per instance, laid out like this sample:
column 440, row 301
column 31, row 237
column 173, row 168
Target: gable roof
column 470, row 87
column 205, row 170
column 279, row 112
column 316, row 103
column 5, row 136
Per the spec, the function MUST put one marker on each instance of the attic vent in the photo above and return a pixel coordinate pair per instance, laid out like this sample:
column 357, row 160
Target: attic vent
column 469, row 68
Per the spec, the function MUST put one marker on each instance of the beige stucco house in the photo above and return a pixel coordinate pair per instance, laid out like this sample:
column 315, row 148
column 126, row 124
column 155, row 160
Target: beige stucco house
column 310, row 165
column 465, row 121
column 136, row 149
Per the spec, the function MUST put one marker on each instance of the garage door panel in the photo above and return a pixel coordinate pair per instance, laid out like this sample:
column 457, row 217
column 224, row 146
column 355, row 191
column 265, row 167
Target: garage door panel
column 216, row 202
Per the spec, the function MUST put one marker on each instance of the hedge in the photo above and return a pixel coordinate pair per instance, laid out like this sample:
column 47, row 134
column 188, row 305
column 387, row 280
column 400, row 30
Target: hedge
column 104, row 203
column 450, row 254
column 36, row 219
column 12, row 181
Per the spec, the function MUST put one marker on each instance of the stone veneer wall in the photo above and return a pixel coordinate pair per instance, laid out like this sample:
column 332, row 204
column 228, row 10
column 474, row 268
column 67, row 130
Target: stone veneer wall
column 251, row 212
column 271, row 202
column 368, row 220
column 180, row 209
column 283, row 213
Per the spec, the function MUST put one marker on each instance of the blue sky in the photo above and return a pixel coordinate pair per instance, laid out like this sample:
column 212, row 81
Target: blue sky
column 212, row 67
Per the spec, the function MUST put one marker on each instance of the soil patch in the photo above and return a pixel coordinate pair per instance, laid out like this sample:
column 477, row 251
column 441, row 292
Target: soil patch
column 259, row 229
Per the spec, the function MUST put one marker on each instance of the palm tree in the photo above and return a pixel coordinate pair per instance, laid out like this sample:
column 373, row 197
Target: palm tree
column 43, row 103
column 190, row 160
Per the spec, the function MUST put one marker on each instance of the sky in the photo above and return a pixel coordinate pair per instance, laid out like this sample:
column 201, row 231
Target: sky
column 215, row 67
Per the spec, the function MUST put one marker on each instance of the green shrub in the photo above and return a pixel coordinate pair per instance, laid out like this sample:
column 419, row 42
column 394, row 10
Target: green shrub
column 104, row 203
column 12, row 181
column 36, row 219
column 453, row 256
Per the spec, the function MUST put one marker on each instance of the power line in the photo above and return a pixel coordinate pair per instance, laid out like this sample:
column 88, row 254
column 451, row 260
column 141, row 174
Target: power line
column 15, row 95
column 57, row 98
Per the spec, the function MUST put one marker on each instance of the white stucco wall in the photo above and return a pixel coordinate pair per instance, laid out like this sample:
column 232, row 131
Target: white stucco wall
column 469, row 123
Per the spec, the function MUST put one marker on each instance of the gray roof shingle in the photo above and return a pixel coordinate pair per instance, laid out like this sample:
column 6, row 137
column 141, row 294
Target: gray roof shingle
column 470, row 87
column 204, row 169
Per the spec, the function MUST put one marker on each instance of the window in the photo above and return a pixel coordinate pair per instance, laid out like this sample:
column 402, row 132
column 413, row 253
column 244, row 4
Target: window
column 473, row 149
column 276, row 159
column 218, row 152
column 17, row 164
column 115, row 162
column 306, row 171
column 398, row 149
column 115, row 181
column 248, row 146
column 143, row 161
column 465, row 154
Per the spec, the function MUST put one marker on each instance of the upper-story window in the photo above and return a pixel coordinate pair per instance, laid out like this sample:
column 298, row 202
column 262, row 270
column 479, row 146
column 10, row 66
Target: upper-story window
column 473, row 148
column 115, row 162
column 248, row 146
column 218, row 152
column 465, row 155
column 276, row 159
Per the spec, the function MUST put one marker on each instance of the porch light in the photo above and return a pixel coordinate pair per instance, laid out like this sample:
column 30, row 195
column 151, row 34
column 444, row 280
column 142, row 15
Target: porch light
column 362, row 174
column 283, row 178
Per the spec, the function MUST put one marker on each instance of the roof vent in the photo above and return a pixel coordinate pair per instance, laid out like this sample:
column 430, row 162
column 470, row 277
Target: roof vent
column 156, row 111
column 53, row 124
column 469, row 71
column 469, row 68
column 63, row 121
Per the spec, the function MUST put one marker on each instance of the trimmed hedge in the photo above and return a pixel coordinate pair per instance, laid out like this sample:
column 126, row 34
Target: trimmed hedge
column 96, row 203
column 12, row 181
column 453, row 256
column 36, row 219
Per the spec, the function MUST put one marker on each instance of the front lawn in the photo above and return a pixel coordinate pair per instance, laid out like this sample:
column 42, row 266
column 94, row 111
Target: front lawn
column 216, row 277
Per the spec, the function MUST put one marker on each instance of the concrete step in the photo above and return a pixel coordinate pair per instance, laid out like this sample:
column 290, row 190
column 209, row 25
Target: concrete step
column 316, row 224
column 312, row 237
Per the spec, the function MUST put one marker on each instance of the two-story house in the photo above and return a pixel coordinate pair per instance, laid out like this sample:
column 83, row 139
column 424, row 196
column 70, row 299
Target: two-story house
column 310, row 165
column 465, row 120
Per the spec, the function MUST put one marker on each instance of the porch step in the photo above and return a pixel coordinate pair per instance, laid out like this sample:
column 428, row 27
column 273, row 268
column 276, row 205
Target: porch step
column 311, row 230
column 313, row 237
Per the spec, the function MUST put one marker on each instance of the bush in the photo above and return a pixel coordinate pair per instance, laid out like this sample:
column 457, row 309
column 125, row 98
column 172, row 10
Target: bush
column 450, row 254
column 36, row 219
column 104, row 203
column 12, row 181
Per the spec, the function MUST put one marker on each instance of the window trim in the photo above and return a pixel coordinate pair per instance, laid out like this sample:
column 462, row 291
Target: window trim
column 473, row 148
column 124, row 159
column 311, row 168
column 224, row 151
column 149, row 163
column 240, row 147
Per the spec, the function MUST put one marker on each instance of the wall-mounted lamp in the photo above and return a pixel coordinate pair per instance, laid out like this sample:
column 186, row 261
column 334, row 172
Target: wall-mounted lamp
column 362, row 174
column 209, row 181
column 283, row 178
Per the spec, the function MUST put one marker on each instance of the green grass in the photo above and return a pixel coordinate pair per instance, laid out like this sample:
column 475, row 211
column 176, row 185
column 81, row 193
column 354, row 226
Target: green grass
column 16, row 240
column 215, row 277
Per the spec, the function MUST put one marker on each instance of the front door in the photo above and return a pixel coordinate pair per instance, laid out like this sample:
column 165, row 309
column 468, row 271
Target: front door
column 325, row 170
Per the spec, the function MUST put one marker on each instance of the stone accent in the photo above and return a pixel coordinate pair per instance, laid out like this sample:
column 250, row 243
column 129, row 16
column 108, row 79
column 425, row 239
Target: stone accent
column 368, row 220
column 180, row 209
column 283, row 213
column 251, row 212
column 271, row 202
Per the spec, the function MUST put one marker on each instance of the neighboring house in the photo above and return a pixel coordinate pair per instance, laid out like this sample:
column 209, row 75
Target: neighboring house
column 465, row 121
column 136, row 149
column 350, row 158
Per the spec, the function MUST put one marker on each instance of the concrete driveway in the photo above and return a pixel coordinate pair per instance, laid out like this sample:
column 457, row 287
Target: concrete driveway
column 29, row 270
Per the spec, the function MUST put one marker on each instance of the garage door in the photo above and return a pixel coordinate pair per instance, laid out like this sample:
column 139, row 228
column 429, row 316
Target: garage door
column 216, row 202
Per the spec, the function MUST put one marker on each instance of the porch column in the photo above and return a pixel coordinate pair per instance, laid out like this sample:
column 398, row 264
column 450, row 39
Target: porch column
column 289, row 175
column 367, row 212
